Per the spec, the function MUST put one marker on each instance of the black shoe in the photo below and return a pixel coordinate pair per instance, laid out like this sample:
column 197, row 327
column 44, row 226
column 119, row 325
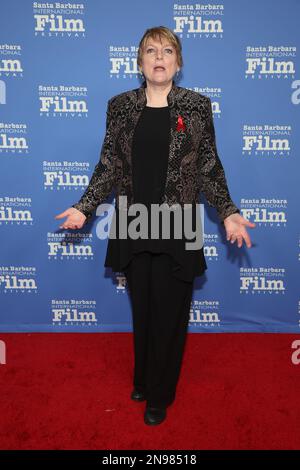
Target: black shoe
column 154, row 415
column 137, row 396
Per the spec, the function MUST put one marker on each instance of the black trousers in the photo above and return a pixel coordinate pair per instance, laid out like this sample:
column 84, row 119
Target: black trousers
column 160, row 312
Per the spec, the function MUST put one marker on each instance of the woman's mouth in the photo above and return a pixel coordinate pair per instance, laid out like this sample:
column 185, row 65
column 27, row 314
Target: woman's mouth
column 159, row 68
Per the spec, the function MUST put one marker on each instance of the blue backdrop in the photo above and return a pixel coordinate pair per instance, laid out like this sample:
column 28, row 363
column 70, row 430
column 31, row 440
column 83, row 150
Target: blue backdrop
column 59, row 64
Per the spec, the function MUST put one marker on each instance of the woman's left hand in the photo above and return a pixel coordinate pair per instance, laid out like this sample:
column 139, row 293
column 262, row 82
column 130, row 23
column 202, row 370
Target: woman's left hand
column 235, row 226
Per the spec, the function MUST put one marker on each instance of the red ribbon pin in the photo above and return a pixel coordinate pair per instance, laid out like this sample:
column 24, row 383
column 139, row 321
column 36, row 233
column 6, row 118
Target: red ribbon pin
column 180, row 124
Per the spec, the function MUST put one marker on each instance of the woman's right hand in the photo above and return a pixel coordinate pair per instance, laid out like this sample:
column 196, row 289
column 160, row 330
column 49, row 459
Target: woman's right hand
column 75, row 218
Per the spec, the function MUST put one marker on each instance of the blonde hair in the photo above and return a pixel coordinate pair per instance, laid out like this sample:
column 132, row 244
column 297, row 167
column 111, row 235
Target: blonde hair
column 160, row 32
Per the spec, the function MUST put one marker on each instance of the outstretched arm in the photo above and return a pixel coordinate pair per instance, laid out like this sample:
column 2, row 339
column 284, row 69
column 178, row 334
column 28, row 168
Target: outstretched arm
column 102, row 180
column 212, row 175
column 214, row 184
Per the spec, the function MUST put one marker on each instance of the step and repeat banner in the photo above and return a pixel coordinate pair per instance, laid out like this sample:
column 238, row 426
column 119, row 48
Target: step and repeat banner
column 59, row 64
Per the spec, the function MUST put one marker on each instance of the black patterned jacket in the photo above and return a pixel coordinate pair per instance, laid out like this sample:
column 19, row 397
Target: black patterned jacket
column 193, row 166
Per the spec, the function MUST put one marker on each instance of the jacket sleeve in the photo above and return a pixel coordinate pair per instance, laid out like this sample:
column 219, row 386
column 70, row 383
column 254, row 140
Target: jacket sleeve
column 212, row 176
column 102, row 180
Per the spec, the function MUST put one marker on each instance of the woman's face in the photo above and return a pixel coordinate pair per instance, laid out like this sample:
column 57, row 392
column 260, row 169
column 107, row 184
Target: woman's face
column 159, row 54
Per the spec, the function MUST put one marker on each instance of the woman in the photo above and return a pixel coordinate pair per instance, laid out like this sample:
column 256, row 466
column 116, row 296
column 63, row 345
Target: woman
column 159, row 148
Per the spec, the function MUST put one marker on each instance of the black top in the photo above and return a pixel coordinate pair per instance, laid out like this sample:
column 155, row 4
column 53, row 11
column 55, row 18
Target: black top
column 150, row 151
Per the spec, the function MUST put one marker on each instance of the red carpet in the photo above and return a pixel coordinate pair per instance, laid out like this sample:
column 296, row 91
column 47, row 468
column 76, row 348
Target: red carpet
column 72, row 391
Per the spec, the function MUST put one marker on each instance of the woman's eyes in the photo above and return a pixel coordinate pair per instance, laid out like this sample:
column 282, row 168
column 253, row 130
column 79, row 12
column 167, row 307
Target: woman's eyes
column 151, row 49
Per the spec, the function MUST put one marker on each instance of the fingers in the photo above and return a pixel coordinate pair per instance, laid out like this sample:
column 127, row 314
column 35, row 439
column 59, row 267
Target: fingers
column 61, row 215
column 246, row 222
column 69, row 226
column 239, row 239
column 250, row 224
column 239, row 233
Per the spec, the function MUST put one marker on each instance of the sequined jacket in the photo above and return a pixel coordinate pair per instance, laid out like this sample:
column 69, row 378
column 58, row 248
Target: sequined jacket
column 193, row 164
